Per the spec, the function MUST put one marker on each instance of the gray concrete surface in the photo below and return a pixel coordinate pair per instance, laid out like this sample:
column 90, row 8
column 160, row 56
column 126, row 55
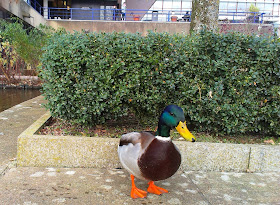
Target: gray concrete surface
column 40, row 185
column 145, row 26
column 36, row 186
column 24, row 11
column 14, row 121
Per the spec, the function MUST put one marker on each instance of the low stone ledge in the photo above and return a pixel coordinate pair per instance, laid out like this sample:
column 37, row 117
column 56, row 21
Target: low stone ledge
column 78, row 151
column 67, row 151
column 214, row 156
column 264, row 158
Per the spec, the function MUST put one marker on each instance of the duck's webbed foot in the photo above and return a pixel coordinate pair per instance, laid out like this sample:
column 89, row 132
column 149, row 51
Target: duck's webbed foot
column 135, row 192
column 155, row 189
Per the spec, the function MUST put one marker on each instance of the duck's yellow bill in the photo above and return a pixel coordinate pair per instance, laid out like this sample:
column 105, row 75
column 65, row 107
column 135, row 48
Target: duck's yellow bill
column 184, row 132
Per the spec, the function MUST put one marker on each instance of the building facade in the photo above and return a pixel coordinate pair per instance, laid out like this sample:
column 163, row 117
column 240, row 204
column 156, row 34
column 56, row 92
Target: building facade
column 269, row 8
column 154, row 10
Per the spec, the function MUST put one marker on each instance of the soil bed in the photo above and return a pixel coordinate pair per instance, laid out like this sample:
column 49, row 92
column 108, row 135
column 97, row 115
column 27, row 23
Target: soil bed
column 116, row 129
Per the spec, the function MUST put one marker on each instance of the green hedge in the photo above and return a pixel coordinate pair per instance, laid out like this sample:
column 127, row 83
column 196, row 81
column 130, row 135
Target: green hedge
column 226, row 83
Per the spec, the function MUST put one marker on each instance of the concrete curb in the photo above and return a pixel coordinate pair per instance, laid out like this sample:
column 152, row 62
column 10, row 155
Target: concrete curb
column 77, row 151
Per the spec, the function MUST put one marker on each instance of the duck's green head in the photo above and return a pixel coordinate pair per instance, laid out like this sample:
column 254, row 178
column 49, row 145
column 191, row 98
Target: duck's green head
column 173, row 117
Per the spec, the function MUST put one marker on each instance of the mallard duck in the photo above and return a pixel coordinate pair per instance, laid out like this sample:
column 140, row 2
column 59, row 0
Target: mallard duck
column 154, row 157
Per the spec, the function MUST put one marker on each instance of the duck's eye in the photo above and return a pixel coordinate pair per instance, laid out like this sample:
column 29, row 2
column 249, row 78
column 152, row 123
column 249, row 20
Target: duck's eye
column 172, row 114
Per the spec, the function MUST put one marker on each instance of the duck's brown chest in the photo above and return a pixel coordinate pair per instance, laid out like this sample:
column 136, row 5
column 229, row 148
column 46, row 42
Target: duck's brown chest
column 160, row 160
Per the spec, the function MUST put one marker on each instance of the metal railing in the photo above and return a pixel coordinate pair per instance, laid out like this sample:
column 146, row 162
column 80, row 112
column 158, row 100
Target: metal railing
column 87, row 13
column 38, row 7
column 242, row 17
column 144, row 15
column 114, row 14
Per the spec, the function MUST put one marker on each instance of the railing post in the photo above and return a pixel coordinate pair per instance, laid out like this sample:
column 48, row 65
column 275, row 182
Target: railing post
column 71, row 13
column 114, row 14
column 168, row 16
column 262, row 17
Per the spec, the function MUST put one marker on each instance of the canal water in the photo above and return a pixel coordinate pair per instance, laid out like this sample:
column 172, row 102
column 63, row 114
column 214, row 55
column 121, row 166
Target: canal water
column 12, row 97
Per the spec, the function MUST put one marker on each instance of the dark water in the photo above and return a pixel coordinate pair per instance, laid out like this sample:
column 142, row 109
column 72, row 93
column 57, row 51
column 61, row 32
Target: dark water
column 12, row 97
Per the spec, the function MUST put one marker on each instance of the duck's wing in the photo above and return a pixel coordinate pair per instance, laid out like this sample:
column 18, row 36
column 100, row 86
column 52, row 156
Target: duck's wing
column 151, row 132
column 130, row 138
column 144, row 138
column 131, row 147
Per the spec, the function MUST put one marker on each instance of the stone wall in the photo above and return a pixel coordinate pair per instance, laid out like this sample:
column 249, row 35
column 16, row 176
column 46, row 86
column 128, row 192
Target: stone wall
column 144, row 27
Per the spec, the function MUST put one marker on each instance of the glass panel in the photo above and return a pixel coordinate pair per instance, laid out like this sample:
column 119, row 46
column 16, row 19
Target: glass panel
column 176, row 4
column 223, row 6
column 268, row 7
column 232, row 7
column 261, row 7
column 276, row 9
column 242, row 7
column 157, row 5
column 167, row 5
column 271, row 1
column 186, row 5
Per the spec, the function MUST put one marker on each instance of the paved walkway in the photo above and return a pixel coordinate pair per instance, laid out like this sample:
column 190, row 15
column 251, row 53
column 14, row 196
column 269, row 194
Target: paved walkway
column 101, row 186
column 14, row 121
column 36, row 186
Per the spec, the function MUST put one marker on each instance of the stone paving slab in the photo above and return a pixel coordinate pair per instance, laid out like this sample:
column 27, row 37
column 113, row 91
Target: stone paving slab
column 36, row 186
column 13, row 122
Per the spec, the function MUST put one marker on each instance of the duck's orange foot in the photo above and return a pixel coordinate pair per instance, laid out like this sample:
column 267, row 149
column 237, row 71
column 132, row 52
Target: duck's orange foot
column 137, row 193
column 155, row 189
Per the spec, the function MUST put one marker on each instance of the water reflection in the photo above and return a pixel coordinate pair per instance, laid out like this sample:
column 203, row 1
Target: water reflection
column 11, row 97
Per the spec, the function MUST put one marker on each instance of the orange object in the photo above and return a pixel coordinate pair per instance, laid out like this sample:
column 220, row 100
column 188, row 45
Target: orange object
column 136, row 18
column 174, row 18
column 155, row 189
column 135, row 192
